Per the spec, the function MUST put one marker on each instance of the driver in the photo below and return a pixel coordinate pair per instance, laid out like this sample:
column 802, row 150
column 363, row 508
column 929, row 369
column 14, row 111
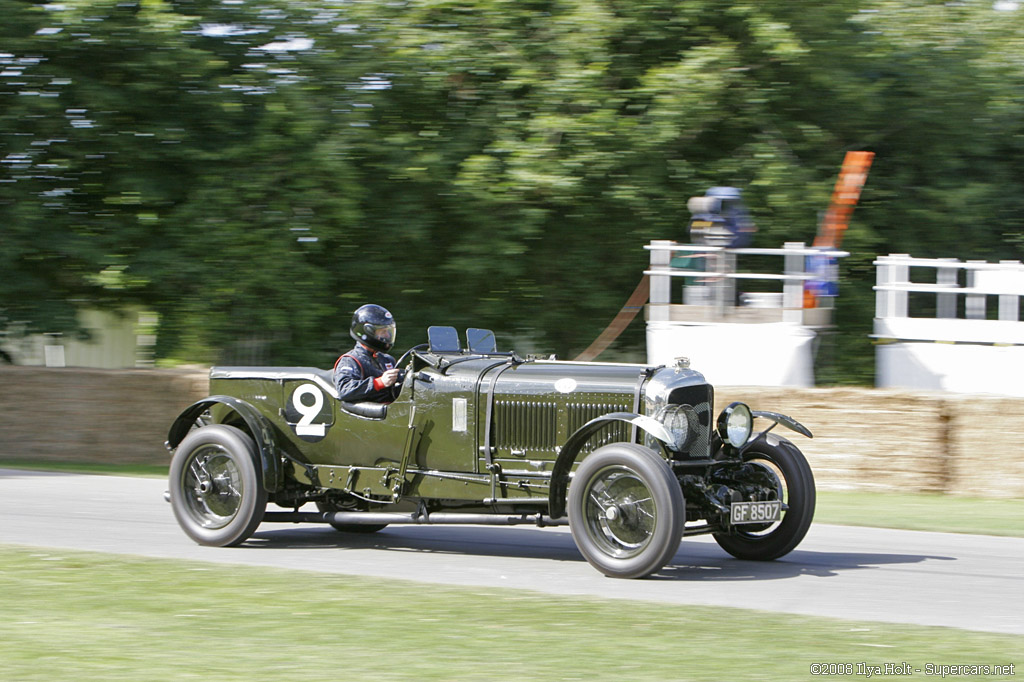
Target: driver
column 367, row 372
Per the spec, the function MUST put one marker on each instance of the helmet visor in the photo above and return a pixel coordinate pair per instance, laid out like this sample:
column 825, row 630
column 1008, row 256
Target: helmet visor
column 383, row 333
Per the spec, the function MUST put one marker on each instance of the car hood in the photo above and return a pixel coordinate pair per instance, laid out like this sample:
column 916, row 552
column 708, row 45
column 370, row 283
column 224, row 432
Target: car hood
column 539, row 378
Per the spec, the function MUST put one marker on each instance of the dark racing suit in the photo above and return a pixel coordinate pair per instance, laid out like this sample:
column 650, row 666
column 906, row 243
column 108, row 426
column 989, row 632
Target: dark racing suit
column 357, row 376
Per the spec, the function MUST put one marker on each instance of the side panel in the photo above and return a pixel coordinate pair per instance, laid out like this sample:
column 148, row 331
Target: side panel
column 319, row 431
column 446, row 416
column 538, row 405
column 310, row 426
column 301, row 405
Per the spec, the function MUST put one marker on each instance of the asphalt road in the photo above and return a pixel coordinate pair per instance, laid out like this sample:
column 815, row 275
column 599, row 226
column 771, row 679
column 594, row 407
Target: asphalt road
column 965, row 581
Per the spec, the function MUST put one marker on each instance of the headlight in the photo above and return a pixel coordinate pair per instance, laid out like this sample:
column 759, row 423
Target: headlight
column 681, row 421
column 735, row 424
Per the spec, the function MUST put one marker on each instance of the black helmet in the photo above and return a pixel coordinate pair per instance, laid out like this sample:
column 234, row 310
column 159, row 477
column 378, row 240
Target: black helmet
column 373, row 326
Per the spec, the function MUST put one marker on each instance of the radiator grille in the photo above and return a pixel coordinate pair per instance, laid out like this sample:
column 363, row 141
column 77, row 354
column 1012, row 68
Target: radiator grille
column 525, row 426
column 701, row 399
column 522, row 426
column 581, row 413
column 701, row 447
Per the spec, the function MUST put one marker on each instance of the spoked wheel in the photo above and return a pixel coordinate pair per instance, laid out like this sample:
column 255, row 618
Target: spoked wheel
column 781, row 462
column 215, row 489
column 626, row 510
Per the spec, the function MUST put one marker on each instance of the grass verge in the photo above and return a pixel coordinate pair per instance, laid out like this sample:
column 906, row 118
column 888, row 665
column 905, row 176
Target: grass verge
column 920, row 511
column 83, row 616
column 149, row 470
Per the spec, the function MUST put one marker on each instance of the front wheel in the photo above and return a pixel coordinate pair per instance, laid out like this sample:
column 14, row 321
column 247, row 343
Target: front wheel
column 216, row 492
column 626, row 510
column 795, row 488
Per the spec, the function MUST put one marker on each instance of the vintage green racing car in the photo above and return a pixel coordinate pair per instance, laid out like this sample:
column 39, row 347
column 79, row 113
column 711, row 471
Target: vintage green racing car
column 629, row 456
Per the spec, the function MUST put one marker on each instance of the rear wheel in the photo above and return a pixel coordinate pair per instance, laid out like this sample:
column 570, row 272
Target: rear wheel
column 216, row 492
column 626, row 510
column 795, row 488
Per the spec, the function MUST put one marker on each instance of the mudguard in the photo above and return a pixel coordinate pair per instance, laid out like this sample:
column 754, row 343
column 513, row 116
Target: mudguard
column 567, row 455
column 787, row 421
column 269, row 464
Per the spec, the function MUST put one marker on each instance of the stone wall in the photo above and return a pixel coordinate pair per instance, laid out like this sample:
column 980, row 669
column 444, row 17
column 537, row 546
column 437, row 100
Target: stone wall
column 865, row 439
column 98, row 415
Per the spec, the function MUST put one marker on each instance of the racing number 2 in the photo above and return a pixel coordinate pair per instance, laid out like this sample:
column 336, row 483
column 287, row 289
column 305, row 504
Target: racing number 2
column 305, row 425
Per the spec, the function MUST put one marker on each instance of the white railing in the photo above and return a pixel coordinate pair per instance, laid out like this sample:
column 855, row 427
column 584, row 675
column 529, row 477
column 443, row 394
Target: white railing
column 944, row 333
column 949, row 318
column 712, row 296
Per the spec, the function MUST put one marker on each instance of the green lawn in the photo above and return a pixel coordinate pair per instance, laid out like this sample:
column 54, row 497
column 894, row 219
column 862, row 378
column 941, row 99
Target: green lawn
column 151, row 470
column 920, row 511
column 83, row 616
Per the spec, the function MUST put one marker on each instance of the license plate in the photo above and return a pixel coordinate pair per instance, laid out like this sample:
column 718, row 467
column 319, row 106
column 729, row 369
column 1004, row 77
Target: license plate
column 756, row 512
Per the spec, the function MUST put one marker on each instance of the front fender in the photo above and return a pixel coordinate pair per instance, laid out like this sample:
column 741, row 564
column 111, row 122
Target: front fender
column 257, row 426
column 785, row 420
column 571, row 450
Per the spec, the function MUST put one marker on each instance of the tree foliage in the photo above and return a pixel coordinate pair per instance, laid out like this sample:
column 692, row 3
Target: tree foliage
column 254, row 170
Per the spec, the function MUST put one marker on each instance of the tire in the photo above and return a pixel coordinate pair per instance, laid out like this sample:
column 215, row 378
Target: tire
column 626, row 510
column 216, row 492
column 761, row 542
column 365, row 529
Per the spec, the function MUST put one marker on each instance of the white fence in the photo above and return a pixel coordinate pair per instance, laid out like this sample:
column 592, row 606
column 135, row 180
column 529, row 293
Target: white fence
column 762, row 338
column 711, row 297
column 949, row 325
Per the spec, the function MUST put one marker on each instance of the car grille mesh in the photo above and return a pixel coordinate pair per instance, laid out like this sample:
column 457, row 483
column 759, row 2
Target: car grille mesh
column 581, row 413
column 701, row 446
column 528, row 426
column 701, row 399
column 525, row 426
column 522, row 427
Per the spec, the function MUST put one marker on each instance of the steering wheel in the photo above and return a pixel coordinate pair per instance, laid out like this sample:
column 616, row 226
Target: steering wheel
column 409, row 352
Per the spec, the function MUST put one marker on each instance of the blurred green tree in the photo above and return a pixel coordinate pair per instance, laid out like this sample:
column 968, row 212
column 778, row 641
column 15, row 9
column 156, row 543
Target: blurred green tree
column 253, row 171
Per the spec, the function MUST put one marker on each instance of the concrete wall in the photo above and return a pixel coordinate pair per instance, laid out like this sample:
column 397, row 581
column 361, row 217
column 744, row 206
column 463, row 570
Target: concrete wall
column 866, row 439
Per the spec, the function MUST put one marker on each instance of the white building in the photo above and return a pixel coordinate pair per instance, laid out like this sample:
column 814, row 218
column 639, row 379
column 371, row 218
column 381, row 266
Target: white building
column 118, row 341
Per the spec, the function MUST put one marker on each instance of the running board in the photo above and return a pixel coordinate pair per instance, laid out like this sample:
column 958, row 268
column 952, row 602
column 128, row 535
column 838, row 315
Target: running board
column 438, row 518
